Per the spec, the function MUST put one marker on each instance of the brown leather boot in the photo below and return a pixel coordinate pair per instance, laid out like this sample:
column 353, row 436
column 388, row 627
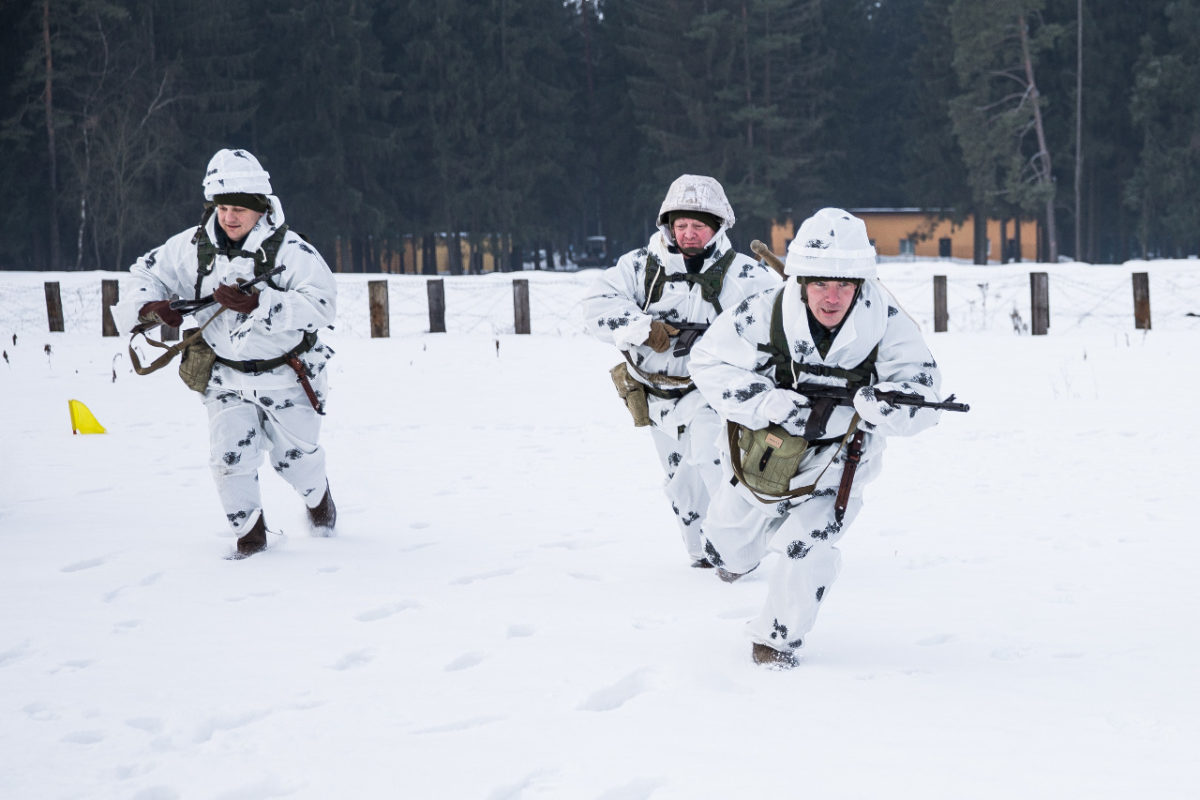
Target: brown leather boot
column 324, row 516
column 771, row 658
column 255, row 540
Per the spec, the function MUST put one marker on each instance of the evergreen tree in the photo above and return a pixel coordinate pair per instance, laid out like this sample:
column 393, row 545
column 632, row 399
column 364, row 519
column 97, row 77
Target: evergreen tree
column 1165, row 188
column 735, row 90
column 998, row 114
column 934, row 170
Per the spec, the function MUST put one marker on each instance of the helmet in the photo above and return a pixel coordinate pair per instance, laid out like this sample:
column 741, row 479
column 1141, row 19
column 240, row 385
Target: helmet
column 695, row 193
column 832, row 243
column 235, row 172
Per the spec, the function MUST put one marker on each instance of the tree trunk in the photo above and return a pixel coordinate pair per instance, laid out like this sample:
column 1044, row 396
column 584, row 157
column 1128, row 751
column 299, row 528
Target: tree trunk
column 55, row 260
column 1079, row 131
column 1042, row 164
column 979, row 228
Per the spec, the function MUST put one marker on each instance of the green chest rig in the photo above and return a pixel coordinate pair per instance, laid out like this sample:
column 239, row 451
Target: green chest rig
column 779, row 357
column 264, row 256
column 767, row 459
column 709, row 281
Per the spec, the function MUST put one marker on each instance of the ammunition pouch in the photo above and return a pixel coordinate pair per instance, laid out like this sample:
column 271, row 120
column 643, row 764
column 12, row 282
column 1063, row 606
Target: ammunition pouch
column 767, row 459
column 633, row 392
column 196, row 363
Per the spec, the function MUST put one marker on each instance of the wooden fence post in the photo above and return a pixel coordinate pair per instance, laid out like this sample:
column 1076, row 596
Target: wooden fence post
column 436, row 290
column 110, row 293
column 521, row 305
column 1141, row 301
column 54, row 307
column 940, row 316
column 377, row 293
column 1039, row 289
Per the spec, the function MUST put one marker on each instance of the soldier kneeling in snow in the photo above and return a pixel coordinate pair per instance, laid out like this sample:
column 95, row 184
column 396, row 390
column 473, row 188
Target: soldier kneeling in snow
column 832, row 324
column 259, row 365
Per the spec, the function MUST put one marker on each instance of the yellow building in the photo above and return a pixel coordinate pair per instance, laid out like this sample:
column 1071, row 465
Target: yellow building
column 916, row 233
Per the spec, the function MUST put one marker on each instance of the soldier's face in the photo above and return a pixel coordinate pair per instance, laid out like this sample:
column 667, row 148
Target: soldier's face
column 830, row 300
column 691, row 235
column 237, row 221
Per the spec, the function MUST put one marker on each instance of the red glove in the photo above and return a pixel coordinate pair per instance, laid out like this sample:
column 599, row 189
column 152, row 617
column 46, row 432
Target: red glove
column 230, row 297
column 161, row 311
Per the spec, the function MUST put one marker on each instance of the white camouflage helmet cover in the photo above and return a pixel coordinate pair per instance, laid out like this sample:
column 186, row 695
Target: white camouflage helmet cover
column 832, row 243
column 696, row 193
column 235, row 172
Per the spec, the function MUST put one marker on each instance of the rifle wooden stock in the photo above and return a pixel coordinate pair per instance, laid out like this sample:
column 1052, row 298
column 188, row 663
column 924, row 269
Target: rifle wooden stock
column 764, row 252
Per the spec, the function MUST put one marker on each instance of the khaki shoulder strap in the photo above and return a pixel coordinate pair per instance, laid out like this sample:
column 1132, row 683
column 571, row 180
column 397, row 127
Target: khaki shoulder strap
column 172, row 350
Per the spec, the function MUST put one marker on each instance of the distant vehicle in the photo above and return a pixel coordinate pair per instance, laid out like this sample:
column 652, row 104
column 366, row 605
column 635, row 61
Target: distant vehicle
column 594, row 253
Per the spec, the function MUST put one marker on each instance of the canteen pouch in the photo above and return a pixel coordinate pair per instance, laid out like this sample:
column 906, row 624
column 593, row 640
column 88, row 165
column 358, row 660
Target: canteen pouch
column 196, row 363
column 633, row 393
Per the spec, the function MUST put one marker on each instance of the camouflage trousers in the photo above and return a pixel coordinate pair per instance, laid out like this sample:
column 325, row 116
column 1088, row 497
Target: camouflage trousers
column 740, row 532
column 692, row 464
column 245, row 424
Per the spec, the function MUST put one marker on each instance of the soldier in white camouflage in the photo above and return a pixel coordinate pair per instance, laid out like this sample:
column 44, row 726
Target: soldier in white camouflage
column 653, row 305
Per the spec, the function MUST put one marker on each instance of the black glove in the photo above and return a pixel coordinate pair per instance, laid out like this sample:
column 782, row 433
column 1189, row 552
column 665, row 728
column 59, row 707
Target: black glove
column 160, row 311
column 230, row 297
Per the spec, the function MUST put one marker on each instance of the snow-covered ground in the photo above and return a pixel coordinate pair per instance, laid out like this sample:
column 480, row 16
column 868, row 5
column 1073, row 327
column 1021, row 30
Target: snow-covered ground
column 508, row 612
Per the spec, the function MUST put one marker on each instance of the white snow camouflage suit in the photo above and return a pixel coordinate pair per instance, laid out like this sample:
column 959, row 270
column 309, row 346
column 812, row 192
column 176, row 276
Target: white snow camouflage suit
column 252, row 413
column 731, row 370
column 685, row 429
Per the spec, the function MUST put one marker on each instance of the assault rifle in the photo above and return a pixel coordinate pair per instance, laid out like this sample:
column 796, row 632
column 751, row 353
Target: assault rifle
column 189, row 307
column 689, row 332
column 825, row 398
column 186, row 307
column 845, row 397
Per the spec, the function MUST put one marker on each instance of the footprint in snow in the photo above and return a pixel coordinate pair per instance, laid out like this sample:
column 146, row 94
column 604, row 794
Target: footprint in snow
column 40, row 712
column 639, row 789
column 618, row 694
column 226, row 722
column 383, row 612
column 84, row 737
column 13, row 653
column 461, row 725
column 520, row 631
column 941, row 638
column 152, row 725
column 354, row 659
column 465, row 661
column 482, row 576
column 87, row 563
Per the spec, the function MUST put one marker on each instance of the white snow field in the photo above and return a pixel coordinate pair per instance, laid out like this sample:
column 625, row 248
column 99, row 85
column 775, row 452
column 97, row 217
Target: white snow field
column 507, row 611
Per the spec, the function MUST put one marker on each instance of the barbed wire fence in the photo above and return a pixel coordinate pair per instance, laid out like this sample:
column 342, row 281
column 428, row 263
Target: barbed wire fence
column 983, row 300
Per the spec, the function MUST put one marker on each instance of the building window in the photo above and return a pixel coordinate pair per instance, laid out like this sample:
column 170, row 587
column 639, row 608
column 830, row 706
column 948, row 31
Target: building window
column 908, row 247
column 944, row 249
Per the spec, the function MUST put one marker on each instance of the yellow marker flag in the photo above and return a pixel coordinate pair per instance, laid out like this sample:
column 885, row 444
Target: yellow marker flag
column 82, row 420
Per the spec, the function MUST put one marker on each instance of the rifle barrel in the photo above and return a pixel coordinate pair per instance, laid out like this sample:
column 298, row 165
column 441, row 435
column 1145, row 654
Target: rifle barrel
column 845, row 397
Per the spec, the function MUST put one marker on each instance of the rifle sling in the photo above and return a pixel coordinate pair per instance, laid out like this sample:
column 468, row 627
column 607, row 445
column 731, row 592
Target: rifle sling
column 172, row 350
column 680, row 385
